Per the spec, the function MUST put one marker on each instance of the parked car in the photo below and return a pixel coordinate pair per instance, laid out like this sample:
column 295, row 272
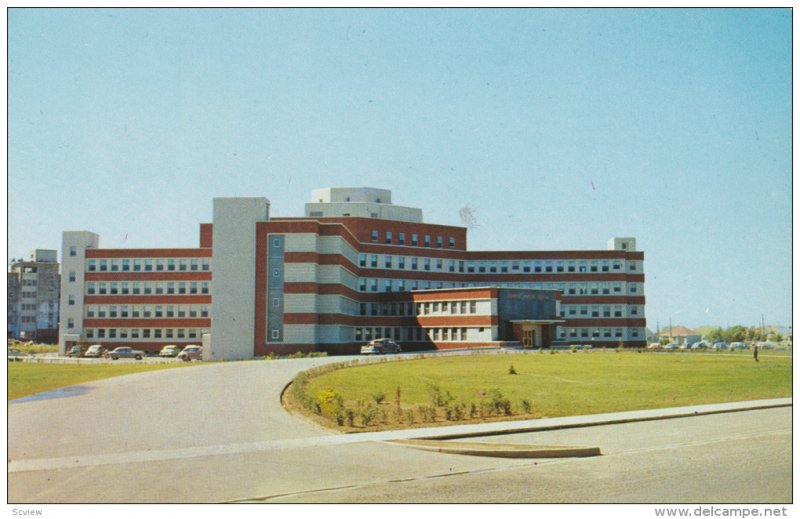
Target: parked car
column 381, row 346
column 719, row 346
column 95, row 350
column 76, row 351
column 191, row 352
column 671, row 346
column 738, row 346
column 125, row 352
column 170, row 350
column 700, row 345
column 15, row 355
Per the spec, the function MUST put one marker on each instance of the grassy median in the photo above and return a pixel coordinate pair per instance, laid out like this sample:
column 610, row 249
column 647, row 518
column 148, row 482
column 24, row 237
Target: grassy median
column 448, row 390
column 27, row 378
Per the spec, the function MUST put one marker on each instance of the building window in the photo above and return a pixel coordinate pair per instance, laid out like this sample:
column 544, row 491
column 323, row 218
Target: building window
column 362, row 260
column 72, row 277
column 427, row 264
column 387, row 262
column 362, row 285
column 427, row 241
column 414, row 240
column 70, row 323
column 160, row 265
column 401, row 262
column 401, row 238
column 182, row 264
column 194, row 263
column 170, row 264
column 204, row 288
column 148, row 265
column 413, row 263
column 373, row 260
column 92, row 265
column 71, row 300
column 373, row 285
column 206, row 265
column 374, row 235
column 388, row 236
column 73, row 251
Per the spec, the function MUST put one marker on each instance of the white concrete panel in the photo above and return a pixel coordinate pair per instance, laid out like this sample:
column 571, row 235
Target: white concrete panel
column 234, row 252
column 300, row 303
column 300, row 272
column 80, row 240
column 300, row 242
column 299, row 334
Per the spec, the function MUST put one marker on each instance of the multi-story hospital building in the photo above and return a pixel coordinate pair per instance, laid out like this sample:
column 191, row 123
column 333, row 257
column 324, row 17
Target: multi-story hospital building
column 354, row 268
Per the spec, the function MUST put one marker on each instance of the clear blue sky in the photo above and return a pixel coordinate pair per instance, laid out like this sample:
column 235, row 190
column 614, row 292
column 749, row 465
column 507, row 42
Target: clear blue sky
column 560, row 128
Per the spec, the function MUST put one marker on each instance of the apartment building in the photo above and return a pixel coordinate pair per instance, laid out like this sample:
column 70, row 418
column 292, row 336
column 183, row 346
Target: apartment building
column 353, row 268
column 32, row 297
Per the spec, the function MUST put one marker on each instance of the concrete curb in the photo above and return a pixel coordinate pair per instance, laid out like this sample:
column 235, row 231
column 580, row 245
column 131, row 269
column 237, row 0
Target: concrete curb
column 548, row 424
column 501, row 450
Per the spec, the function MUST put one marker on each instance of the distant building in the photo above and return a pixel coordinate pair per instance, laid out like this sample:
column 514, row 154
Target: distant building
column 355, row 267
column 681, row 335
column 33, row 297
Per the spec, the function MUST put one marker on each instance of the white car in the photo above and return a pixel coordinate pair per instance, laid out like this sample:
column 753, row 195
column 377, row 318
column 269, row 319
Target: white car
column 738, row 346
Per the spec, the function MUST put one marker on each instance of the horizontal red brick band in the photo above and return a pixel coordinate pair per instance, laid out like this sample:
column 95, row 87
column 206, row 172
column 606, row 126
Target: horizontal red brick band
column 156, row 299
column 149, row 253
column 147, row 323
column 439, row 275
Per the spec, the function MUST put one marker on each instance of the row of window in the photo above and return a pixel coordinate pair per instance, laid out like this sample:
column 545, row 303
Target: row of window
column 148, row 264
column 412, row 334
column 143, row 333
column 598, row 310
column 388, row 238
column 146, row 311
column 412, row 309
column 594, row 333
column 387, row 261
column 147, row 287
column 28, row 295
column 570, row 288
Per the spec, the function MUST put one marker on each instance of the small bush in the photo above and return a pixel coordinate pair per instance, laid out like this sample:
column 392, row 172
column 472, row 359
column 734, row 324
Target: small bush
column 351, row 418
column 573, row 348
column 409, row 416
column 526, row 405
column 511, row 370
column 379, row 397
column 473, row 410
column 553, row 351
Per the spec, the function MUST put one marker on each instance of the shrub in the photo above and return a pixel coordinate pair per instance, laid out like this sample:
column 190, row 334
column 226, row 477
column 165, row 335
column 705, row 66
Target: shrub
column 511, row 370
column 351, row 417
column 410, row 416
column 499, row 402
column 526, row 405
column 379, row 397
column 459, row 411
column 573, row 348
column 330, row 402
column 427, row 413
column 553, row 351
column 436, row 397
column 473, row 410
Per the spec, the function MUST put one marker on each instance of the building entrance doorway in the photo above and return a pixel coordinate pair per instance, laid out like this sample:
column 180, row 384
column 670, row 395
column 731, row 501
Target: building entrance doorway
column 528, row 338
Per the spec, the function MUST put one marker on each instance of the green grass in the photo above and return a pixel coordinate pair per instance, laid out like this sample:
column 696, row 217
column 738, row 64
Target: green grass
column 27, row 379
column 567, row 384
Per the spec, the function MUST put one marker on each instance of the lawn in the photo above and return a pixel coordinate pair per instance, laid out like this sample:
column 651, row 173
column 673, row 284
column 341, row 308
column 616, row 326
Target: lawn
column 562, row 384
column 27, row 379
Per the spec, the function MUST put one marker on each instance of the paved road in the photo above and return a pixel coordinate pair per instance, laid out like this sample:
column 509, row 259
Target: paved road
column 217, row 433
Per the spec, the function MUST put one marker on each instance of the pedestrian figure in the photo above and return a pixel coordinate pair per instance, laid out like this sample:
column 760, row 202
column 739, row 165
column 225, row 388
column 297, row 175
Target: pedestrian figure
column 755, row 352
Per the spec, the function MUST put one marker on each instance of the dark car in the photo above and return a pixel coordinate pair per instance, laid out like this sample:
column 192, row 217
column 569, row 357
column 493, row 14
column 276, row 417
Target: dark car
column 381, row 346
column 76, row 351
column 125, row 352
